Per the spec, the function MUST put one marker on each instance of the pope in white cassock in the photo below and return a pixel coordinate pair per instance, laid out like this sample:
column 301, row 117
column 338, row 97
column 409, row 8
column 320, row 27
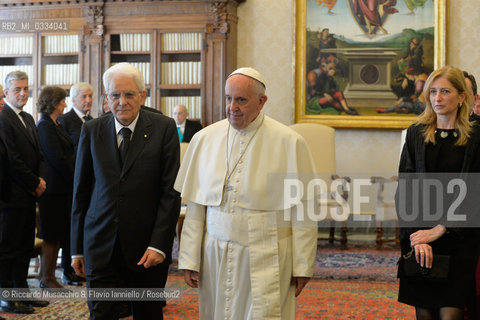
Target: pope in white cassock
column 248, row 250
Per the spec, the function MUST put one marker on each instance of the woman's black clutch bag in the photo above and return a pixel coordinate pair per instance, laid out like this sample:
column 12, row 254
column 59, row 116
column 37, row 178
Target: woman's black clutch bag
column 410, row 269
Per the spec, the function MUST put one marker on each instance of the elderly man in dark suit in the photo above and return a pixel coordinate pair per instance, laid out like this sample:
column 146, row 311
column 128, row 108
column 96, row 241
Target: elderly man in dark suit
column 125, row 208
column 186, row 128
column 17, row 215
column 82, row 99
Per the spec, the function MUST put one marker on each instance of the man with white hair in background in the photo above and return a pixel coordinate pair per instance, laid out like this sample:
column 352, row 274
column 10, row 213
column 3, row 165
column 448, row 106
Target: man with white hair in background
column 247, row 256
column 186, row 128
column 82, row 98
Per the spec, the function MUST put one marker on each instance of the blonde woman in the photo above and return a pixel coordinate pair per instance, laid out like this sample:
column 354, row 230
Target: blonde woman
column 443, row 140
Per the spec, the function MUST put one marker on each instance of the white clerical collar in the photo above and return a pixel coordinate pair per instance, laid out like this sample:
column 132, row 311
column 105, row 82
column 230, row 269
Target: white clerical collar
column 253, row 125
column 131, row 126
column 79, row 113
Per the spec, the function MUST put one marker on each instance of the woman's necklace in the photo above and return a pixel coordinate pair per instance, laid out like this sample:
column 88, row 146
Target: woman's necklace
column 445, row 132
column 228, row 186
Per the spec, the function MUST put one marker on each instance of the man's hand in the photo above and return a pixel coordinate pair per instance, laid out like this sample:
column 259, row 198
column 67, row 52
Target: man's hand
column 191, row 278
column 151, row 258
column 300, row 283
column 79, row 265
column 42, row 186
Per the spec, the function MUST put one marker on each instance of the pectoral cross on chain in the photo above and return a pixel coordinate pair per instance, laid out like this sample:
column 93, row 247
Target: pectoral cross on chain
column 228, row 186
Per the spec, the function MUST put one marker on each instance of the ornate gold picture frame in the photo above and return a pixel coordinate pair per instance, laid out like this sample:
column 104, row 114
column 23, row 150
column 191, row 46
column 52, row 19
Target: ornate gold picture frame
column 364, row 71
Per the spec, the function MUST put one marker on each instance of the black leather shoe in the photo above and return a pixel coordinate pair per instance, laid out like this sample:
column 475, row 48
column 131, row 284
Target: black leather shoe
column 15, row 307
column 71, row 279
column 37, row 303
column 352, row 112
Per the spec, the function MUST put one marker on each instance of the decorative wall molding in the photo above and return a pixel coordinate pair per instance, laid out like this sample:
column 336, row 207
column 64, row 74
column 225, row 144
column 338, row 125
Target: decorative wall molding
column 95, row 14
column 220, row 15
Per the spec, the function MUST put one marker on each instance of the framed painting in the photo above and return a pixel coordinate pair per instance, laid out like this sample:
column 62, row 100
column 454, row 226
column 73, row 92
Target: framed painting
column 363, row 63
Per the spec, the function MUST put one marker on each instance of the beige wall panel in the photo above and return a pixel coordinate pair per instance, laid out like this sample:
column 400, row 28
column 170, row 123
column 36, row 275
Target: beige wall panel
column 265, row 42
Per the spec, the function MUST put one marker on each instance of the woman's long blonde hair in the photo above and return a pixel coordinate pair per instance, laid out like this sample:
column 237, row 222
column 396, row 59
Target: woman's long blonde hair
column 429, row 117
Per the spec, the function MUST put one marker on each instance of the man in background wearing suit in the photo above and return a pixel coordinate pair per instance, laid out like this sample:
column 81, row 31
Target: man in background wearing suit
column 185, row 128
column 4, row 171
column 5, row 179
column 17, row 215
column 82, row 98
column 72, row 121
column 124, row 206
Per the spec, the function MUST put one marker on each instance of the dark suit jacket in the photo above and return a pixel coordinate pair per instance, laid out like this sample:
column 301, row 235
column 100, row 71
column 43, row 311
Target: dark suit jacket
column 5, row 181
column 151, row 109
column 135, row 203
column 26, row 158
column 191, row 127
column 73, row 125
column 57, row 148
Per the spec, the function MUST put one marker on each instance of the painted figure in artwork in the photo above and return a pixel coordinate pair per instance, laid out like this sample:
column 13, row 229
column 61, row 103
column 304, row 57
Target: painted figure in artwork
column 408, row 87
column 326, row 41
column 323, row 92
column 413, row 4
column 413, row 57
column 328, row 4
column 369, row 13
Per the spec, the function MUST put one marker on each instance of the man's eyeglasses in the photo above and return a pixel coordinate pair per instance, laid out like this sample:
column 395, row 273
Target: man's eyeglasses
column 128, row 95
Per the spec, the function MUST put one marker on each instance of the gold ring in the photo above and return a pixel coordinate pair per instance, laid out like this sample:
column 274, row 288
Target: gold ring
column 422, row 251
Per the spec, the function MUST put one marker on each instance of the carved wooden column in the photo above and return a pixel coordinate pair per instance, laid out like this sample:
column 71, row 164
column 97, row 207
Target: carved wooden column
column 92, row 48
column 220, row 58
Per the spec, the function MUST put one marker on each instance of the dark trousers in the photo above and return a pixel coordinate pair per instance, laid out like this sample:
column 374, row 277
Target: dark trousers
column 17, row 235
column 66, row 256
column 118, row 275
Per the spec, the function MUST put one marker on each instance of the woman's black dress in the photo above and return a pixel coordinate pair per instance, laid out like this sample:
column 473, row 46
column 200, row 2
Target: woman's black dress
column 55, row 204
column 459, row 244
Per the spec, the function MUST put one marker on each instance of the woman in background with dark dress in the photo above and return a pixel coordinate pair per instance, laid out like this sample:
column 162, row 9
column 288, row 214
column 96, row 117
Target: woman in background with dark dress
column 56, row 203
column 443, row 140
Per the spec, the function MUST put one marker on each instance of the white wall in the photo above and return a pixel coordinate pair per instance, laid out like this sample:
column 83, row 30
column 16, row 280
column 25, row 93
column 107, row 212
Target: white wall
column 266, row 43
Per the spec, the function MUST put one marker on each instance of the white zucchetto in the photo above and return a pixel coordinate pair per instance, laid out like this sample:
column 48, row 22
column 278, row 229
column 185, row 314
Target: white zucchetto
column 249, row 72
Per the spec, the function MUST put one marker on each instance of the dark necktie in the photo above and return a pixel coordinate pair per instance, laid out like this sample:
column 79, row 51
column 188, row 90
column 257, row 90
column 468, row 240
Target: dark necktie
column 125, row 133
column 87, row 117
column 29, row 128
